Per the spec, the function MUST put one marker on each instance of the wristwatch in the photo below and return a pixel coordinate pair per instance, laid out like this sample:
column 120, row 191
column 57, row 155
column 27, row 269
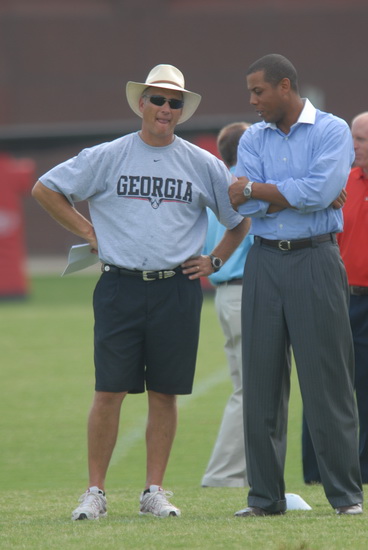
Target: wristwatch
column 216, row 263
column 248, row 190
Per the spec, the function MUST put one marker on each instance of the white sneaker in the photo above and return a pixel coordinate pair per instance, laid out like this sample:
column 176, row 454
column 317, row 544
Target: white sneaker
column 93, row 505
column 155, row 502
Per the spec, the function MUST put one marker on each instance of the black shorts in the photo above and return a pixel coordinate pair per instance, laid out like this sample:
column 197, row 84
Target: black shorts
column 146, row 333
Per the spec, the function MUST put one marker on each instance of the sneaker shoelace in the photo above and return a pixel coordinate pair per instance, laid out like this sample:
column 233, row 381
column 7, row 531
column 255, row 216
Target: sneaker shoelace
column 158, row 499
column 92, row 499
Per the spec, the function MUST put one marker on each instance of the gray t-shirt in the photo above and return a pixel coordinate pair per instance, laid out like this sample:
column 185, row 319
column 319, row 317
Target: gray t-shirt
column 147, row 204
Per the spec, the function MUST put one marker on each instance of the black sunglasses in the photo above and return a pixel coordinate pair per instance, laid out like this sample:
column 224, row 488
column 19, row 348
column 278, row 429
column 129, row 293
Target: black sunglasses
column 160, row 100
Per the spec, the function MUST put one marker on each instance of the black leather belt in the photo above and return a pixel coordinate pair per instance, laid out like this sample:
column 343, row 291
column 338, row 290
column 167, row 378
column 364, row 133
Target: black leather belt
column 231, row 282
column 145, row 275
column 297, row 244
column 359, row 290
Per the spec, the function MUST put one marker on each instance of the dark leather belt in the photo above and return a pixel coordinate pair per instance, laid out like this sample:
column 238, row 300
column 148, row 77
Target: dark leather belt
column 297, row 244
column 359, row 290
column 231, row 282
column 145, row 275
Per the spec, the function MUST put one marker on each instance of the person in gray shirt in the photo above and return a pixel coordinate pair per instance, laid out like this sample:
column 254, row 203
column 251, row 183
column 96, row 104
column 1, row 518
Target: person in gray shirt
column 147, row 193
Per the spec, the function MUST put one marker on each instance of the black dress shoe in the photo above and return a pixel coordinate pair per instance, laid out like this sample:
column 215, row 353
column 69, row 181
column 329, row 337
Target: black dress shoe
column 352, row 510
column 255, row 511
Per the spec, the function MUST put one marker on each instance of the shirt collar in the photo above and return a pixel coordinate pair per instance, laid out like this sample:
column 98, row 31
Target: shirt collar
column 361, row 174
column 307, row 116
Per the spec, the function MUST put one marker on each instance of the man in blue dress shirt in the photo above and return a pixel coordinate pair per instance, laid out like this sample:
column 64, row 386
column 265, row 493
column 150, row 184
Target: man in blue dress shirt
column 292, row 169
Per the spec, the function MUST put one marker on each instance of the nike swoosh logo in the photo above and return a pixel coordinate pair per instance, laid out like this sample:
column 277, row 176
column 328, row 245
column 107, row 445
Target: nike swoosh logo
column 156, row 160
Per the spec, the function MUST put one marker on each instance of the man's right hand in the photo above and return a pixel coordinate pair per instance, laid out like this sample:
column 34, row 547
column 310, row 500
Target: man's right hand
column 236, row 192
column 340, row 201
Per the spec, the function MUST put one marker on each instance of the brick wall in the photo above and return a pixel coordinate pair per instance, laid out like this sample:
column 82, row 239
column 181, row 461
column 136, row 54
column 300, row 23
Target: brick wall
column 64, row 64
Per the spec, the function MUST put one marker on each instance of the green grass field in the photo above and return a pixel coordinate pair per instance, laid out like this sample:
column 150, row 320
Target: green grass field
column 46, row 391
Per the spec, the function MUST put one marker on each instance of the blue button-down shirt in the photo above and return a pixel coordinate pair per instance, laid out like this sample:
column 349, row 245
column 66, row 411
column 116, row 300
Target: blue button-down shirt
column 310, row 166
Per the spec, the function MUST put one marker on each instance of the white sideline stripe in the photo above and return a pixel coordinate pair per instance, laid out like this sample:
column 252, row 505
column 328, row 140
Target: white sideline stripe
column 129, row 439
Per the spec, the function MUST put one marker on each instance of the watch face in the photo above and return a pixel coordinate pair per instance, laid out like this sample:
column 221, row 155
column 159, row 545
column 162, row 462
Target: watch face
column 248, row 189
column 216, row 263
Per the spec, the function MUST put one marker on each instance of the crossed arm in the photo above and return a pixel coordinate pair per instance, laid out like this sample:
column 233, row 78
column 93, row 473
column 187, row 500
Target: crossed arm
column 269, row 192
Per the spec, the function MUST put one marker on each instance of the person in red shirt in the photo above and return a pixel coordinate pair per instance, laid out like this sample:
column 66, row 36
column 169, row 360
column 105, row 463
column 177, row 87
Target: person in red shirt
column 16, row 180
column 353, row 242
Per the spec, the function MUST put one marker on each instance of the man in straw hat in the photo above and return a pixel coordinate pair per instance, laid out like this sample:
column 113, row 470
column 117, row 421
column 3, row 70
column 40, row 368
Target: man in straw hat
column 148, row 193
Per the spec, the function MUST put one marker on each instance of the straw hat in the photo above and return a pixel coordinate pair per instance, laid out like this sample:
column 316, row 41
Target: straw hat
column 167, row 77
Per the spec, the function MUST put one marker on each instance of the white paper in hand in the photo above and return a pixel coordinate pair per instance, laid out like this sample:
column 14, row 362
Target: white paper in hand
column 80, row 257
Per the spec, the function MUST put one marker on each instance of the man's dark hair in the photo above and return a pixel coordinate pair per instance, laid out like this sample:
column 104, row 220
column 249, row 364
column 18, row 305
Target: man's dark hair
column 275, row 67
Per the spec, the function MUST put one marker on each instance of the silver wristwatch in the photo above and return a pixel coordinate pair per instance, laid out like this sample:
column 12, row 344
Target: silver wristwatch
column 216, row 263
column 248, row 190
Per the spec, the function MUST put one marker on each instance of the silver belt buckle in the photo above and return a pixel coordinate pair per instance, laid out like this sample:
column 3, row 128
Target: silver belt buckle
column 146, row 277
column 285, row 244
column 161, row 275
